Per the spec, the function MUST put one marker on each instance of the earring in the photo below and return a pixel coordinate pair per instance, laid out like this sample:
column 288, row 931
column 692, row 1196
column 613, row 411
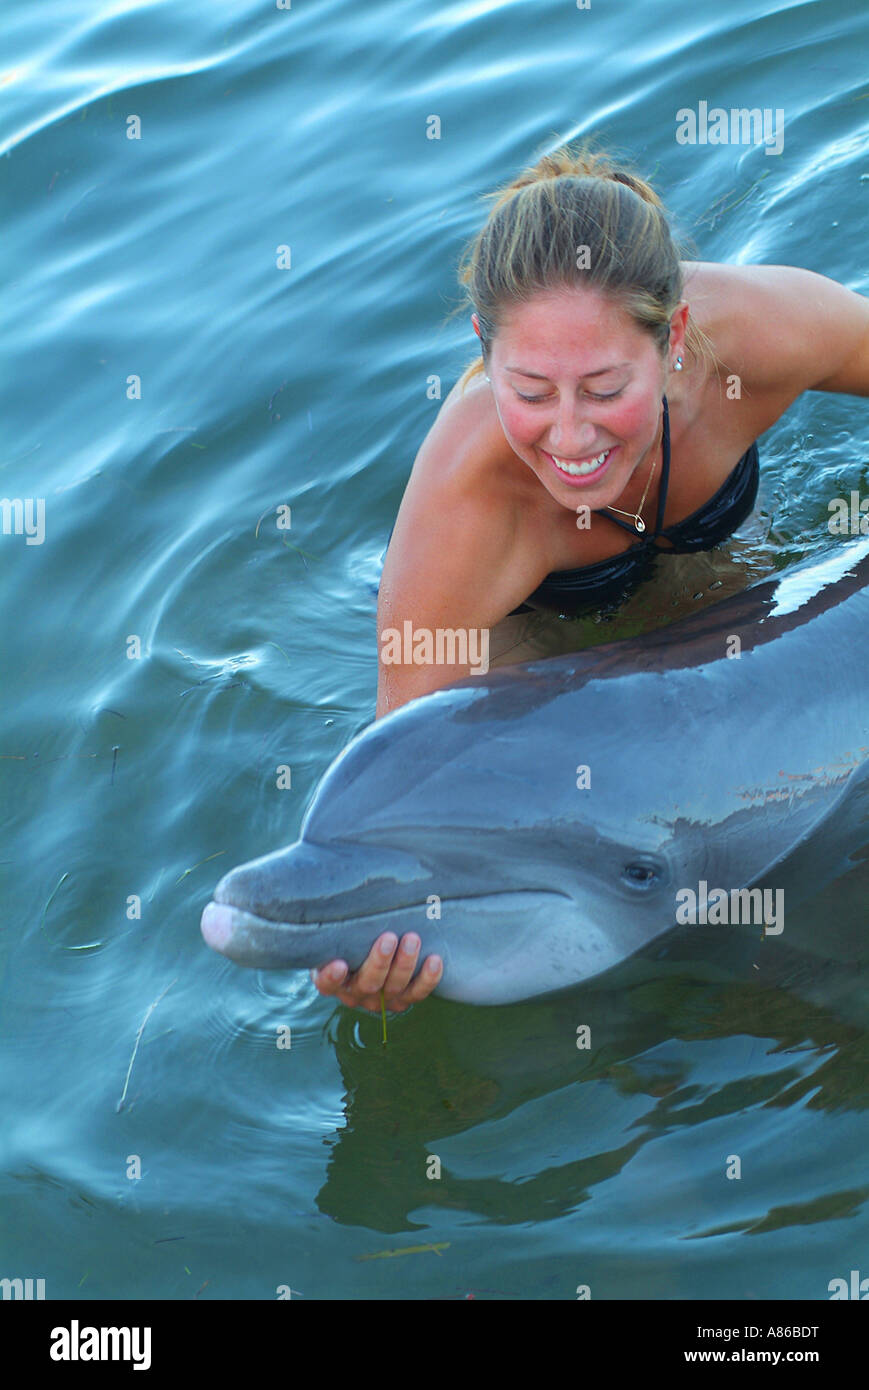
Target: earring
column 678, row 364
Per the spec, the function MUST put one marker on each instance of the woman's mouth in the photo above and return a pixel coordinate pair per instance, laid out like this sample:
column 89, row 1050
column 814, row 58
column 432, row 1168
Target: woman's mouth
column 581, row 472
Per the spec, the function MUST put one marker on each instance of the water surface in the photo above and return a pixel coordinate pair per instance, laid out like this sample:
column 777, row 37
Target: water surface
column 146, row 778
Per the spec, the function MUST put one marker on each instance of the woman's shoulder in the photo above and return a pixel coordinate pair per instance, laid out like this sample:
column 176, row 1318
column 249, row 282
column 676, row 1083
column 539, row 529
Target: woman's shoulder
column 465, row 442
column 731, row 303
column 461, row 541
column 715, row 285
column 780, row 328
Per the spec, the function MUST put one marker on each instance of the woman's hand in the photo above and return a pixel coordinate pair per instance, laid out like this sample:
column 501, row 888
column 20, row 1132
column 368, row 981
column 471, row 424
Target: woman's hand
column 387, row 967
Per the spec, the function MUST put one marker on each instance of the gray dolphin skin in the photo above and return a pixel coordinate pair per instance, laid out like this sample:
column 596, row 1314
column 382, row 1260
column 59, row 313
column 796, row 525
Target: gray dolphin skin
column 462, row 815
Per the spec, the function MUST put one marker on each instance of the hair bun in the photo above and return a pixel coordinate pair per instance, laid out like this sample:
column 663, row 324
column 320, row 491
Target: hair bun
column 581, row 163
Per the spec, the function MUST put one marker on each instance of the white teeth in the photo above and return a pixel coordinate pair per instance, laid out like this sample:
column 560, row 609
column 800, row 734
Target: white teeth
column 580, row 469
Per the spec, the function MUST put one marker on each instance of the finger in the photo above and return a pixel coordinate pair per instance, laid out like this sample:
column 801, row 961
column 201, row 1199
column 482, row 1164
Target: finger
column 372, row 973
column 402, row 967
column 330, row 977
column 335, row 980
column 419, row 989
column 427, row 979
column 337, row 989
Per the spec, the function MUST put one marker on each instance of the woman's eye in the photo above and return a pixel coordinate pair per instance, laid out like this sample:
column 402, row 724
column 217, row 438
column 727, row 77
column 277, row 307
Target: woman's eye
column 534, row 400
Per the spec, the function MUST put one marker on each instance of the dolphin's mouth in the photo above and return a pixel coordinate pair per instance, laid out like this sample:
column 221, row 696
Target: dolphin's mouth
column 267, row 943
column 221, row 922
column 221, row 919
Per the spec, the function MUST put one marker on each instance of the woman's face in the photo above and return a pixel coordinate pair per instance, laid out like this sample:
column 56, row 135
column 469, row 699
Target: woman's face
column 578, row 387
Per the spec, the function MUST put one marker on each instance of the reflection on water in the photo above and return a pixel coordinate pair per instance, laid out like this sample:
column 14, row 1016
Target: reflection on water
column 696, row 1032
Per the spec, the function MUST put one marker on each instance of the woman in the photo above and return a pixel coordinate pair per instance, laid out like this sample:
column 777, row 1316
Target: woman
column 604, row 422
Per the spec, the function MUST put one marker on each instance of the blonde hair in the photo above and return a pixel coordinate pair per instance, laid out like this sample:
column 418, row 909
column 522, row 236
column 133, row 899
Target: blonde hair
column 537, row 226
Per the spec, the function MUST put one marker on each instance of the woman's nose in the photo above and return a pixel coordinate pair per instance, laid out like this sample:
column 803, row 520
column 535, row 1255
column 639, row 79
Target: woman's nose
column 572, row 433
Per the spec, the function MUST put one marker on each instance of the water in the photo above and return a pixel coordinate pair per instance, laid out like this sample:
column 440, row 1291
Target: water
column 146, row 778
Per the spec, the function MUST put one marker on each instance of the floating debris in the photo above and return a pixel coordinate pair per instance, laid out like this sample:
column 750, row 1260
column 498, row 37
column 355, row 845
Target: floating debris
column 199, row 865
column 151, row 1007
column 406, row 1250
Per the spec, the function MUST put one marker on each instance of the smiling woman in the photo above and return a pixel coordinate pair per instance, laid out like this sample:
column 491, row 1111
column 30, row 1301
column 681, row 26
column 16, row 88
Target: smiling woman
column 614, row 414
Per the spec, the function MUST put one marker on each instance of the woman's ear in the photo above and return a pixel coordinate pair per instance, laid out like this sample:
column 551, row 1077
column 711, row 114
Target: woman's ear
column 476, row 324
column 678, row 326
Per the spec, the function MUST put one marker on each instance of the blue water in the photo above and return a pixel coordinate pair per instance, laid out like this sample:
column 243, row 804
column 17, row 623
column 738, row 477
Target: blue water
column 146, row 778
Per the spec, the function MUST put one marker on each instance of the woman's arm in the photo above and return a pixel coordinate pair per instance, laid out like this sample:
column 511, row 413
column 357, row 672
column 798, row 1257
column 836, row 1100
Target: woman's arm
column 457, row 561
column 463, row 554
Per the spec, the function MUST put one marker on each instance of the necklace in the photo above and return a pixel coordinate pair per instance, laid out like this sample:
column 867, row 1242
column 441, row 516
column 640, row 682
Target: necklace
column 636, row 518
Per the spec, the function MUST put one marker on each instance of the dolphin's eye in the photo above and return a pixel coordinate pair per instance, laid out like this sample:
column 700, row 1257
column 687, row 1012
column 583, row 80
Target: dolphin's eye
column 640, row 875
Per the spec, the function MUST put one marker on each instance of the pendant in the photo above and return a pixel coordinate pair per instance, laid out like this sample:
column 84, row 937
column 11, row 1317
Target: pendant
column 640, row 524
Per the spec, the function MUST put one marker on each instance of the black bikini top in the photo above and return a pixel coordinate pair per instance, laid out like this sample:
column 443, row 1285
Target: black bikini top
column 607, row 581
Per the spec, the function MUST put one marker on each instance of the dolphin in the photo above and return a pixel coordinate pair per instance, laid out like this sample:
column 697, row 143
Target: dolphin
column 540, row 824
